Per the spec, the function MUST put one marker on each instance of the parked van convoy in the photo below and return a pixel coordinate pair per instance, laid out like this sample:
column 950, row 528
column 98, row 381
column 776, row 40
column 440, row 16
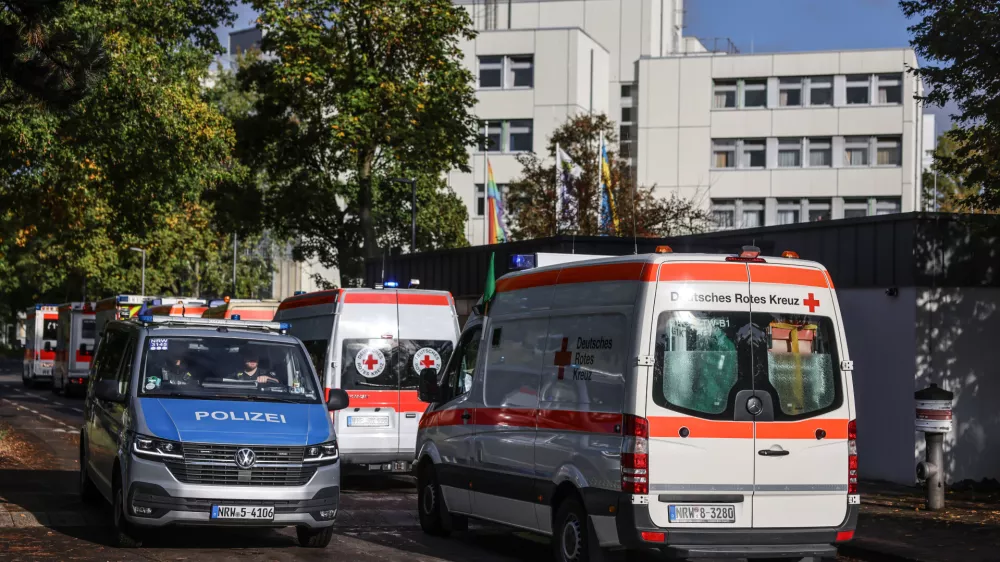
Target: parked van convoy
column 244, row 309
column 373, row 344
column 41, row 331
column 75, row 337
column 172, row 435
column 701, row 405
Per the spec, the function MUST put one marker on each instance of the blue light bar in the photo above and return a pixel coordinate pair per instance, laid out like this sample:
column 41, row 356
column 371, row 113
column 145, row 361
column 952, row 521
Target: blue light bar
column 392, row 284
column 122, row 298
column 297, row 293
column 520, row 262
column 145, row 318
column 234, row 317
column 284, row 326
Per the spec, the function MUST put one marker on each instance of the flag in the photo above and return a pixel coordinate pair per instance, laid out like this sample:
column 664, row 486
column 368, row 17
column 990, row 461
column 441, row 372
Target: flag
column 497, row 233
column 566, row 172
column 609, row 216
column 491, row 285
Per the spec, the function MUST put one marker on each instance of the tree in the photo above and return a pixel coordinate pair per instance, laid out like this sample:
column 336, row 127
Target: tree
column 356, row 92
column 962, row 38
column 943, row 191
column 531, row 199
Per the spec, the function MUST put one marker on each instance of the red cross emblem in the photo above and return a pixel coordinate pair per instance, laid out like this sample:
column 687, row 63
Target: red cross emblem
column 563, row 358
column 426, row 358
column 427, row 362
column 811, row 302
column 371, row 362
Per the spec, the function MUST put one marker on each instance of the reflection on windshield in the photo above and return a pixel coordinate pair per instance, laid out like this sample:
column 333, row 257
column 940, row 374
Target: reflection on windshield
column 226, row 368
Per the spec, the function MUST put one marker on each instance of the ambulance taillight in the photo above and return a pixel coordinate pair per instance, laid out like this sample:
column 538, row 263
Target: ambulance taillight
column 852, row 457
column 635, row 455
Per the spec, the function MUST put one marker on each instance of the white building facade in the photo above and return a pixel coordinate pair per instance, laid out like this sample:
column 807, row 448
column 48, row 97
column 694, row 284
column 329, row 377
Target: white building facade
column 758, row 139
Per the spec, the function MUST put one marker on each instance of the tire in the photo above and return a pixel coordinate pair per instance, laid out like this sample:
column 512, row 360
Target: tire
column 314, row 538
column 88, row 491
column 434, row 517
column 125, row 535
column 573, row 539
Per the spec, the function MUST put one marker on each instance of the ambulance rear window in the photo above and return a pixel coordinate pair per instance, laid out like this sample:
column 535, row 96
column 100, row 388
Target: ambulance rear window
column 88, row 329
column 50, row 329
column 390, row 364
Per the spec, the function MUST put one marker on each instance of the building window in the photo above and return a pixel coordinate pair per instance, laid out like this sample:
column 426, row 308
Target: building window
column 627, row 122
column 625, row 133
column 887, row 206
column 889, row 151
column 521, row 71
column 789, row 153
column 725, row 94
column 790, row 92
column 519, row 136
column 626, row 91
column 754, row 154
column 821, row 90
column 855, row 208
column 493, row 131
column 857, row 89
column 890, row 88
column 507, row 72
column 820, row 153
column 723, row 153
column 490, row 72
column 819, row 210
column 751, row 213
column 627, row 114
column 755, row 93
column 481, row 197
column 855, row 151
column 724, row 213
column 788, row 211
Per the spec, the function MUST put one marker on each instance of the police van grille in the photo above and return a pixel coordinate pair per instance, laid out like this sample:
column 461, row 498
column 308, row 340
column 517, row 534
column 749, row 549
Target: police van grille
column 216, row 465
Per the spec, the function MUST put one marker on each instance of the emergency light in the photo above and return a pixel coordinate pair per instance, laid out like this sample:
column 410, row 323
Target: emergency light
column 392, row 284
column 519, row 262
column 234, row 317
column 789, row 254
column 297, row 293
column 414, row 283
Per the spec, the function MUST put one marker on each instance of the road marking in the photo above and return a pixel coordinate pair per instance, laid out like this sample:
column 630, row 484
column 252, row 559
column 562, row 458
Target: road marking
column 51, row 419
column 37, row 413
column 33, row 395
column 77, row 410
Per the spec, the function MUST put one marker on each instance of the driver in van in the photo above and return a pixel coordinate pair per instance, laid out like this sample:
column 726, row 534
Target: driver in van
column 252, row 371
column 176, row 370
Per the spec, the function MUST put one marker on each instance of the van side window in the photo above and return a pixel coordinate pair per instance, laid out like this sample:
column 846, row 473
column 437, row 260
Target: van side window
column 110, row 357
column 317, row 353
column 462, row 367
column 511, row 375
column 124, row 374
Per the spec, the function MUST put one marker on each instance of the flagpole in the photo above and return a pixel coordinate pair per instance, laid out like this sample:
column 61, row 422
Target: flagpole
column 600, row 173
column 558, row 193
column 486, row 186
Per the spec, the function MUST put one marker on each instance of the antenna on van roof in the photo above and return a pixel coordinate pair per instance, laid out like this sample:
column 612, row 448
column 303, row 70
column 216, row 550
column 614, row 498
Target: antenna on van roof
column 383, row 268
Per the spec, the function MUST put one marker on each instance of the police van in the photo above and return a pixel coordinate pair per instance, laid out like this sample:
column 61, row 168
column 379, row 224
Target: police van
column 209, row 422
column 372, row 343
column 75, row 335
column 701, row 405
column 41, row 330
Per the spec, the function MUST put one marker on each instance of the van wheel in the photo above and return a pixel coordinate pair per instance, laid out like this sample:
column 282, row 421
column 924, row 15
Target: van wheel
column 126, row 535
column 434, row 517
column 88, row 491
column 573, row 540
column 314, row 538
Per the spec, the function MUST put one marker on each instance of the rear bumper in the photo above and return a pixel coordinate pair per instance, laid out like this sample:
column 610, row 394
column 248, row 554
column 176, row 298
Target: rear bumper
column 360, row 462
column 633, row 520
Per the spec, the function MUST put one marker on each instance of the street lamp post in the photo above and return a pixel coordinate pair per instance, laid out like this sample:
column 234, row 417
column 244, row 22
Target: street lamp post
column 143, row 252
column 413, row 210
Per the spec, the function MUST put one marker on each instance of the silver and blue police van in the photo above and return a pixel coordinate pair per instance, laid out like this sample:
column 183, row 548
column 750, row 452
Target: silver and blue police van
column 192, row 421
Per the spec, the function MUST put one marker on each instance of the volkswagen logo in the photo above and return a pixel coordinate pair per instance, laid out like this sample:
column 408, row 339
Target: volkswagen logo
column 755, row 406
column 245, row 458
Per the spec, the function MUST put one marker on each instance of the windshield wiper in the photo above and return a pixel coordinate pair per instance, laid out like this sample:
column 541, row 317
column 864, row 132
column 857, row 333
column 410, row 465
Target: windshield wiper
column 258, row 398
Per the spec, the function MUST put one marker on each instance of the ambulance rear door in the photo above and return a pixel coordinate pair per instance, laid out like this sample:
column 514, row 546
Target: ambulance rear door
column 801, row 460
column 428, row 330
column 366, row 349
column 701, row 446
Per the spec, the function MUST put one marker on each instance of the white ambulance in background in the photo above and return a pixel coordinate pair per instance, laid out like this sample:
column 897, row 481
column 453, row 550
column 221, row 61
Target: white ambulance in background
column 118, row 307
column 242, row 309
column 699, row 405
column 177, row 306
column 41, row 329
column 75, row 337
column 373, row 343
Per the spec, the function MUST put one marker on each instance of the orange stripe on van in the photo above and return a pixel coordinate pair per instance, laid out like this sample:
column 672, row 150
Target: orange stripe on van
column 661, row 426
column 628, row 271
column 734, row 272
column 834, row 428
column 374, row 297
column 828, row 279
column 310, row 299
column 526, row 281
column 423, row 299
column 788, row 275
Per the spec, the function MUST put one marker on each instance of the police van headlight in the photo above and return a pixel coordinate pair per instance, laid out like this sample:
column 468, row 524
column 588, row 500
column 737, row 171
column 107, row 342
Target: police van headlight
column 324, row 453
column 156, row 449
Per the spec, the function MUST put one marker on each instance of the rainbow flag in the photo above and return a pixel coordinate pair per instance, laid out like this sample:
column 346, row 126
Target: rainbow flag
column 609, row 216
column 497, row 227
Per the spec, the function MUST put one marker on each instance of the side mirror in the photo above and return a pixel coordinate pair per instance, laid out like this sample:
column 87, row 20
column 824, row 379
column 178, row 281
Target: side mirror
column 48, row 346
column 428, row 390
column 107, row 390
column 338, row 399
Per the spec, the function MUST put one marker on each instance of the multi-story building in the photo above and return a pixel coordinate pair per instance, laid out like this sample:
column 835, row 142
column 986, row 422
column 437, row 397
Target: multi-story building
column 759, row 139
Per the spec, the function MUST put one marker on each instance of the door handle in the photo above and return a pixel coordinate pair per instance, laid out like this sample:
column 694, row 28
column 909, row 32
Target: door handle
column 772, row 452
column 411, row 416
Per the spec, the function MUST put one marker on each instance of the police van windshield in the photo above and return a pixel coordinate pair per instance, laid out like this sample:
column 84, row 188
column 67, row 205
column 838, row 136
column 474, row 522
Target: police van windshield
column 390, row 364
column 226, row 368
column 703, row 359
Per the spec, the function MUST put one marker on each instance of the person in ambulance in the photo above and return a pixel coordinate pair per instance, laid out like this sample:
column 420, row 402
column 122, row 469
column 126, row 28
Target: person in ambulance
column 697, row 405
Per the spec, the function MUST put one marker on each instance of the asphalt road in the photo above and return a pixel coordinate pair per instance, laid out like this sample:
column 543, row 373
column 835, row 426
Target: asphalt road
column 41, row 517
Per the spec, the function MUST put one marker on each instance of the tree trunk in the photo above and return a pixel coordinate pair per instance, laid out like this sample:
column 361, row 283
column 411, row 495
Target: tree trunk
column 365, row 203
column 197, row 279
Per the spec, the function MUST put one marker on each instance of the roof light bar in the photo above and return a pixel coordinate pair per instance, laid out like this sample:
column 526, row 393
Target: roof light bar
column 748, row 254
column 214, row 323
column 520, row 262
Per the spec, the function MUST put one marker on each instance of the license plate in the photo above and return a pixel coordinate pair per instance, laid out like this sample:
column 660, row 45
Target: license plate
column 367, row 421
column 242, row 512
column 702, row 514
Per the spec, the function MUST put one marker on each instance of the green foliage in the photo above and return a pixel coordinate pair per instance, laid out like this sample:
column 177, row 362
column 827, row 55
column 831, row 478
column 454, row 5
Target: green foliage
column 358, row 91
column 959, row 42
column 531, row 199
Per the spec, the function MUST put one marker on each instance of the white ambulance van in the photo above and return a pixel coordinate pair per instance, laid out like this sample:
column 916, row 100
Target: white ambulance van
column 372, row 344
column 177, row 306
column 75, row 337
column 242, row 309
column 701, row 405
column 118, row 307
column 41, row 329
